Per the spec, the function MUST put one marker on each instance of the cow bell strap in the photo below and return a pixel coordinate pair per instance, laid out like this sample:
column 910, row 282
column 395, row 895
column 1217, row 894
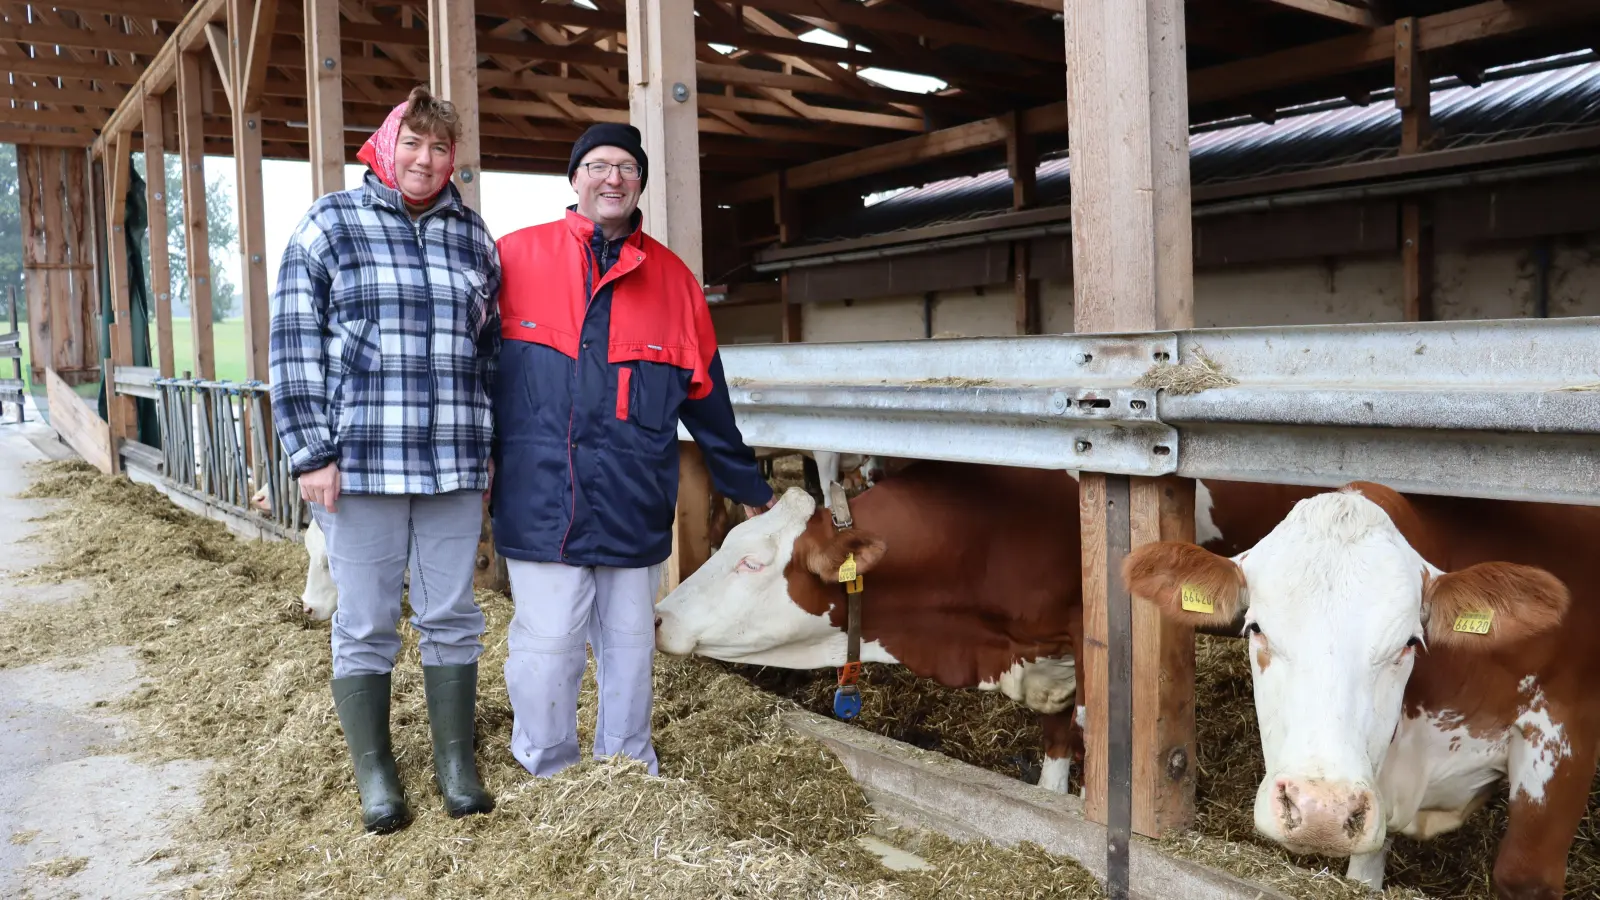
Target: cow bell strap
column 847, row 696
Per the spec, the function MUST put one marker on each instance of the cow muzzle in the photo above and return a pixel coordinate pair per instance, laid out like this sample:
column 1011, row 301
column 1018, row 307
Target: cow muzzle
column 1316, row 816
column 671, row 638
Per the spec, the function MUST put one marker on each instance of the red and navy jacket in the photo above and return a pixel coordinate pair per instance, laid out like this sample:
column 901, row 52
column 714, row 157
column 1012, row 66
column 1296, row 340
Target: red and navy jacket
column 606, row 344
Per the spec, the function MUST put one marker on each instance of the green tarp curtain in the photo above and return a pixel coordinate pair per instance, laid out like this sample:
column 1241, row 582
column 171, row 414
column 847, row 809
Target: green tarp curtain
column 134, row 230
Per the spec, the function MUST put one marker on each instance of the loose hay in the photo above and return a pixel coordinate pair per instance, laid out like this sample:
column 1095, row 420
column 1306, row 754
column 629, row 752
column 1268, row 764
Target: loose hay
column 1200, row 373
column 61, row 866
column 234, row 673
column 21, row 838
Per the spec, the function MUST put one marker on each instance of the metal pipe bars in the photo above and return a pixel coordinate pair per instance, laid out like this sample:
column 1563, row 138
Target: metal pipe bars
column 217, row 440
column 1503, row 409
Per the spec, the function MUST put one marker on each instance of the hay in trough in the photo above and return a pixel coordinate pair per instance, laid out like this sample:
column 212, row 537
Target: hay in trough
column 986, row 729
column 21, row 838
column 234, row 673
column 953, row 381
column 1200, row 373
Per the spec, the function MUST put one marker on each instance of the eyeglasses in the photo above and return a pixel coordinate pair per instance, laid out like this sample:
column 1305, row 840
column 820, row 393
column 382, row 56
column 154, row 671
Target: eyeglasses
column 630, row 171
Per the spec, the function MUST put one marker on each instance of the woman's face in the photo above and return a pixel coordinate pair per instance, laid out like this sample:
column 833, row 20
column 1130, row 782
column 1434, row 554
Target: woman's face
column 421, row 163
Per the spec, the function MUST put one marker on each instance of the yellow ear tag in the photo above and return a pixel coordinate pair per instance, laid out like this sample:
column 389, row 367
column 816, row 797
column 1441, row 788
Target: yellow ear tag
column 1195, row 601
column 1474, row 622
column 847, row 572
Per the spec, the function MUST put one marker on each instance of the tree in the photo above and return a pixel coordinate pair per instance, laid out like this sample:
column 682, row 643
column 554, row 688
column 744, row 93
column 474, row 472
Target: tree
column 222, row 235
column 10, row 233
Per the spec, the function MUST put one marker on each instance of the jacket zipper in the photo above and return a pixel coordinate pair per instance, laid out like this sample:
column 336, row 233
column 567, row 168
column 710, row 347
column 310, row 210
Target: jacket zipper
column 572, row 401
column 433, row 386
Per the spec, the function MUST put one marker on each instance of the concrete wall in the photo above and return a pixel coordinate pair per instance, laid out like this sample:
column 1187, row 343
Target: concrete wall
column 1491, row 282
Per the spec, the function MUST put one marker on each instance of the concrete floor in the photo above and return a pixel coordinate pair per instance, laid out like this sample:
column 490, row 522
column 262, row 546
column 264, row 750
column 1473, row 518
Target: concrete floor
column 69, row 800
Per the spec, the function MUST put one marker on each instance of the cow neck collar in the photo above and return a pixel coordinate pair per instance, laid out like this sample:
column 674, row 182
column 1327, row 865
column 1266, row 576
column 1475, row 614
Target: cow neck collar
column 847, row 696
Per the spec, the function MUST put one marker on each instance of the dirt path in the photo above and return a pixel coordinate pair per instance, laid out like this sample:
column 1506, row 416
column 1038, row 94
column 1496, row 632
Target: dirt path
column 78, row 819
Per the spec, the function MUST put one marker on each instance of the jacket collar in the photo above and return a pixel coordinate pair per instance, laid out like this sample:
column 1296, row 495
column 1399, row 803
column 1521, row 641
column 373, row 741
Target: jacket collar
column 585, row 230
column 376, row 193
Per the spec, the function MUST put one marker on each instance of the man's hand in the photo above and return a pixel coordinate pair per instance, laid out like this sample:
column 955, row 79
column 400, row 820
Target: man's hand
column 322, row 487
column 751, row 511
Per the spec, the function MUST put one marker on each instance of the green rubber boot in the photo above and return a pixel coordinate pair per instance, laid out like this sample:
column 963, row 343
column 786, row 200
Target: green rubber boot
column 363, row 705
column 452, row 696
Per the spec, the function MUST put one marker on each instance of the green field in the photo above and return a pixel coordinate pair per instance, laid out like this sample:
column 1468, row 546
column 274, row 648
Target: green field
column 228, row 345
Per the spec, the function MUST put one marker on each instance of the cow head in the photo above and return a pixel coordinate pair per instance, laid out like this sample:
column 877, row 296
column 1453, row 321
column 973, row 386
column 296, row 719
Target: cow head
column 1336, row 604
column 764, row 597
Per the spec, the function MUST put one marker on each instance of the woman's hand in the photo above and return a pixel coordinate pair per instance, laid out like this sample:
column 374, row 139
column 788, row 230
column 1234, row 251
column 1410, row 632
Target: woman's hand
column 322, row 487
column 751, row 511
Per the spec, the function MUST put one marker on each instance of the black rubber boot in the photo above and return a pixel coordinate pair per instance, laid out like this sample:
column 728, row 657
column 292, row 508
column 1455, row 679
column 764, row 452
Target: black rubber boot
column 363, row 705
column 452, row 696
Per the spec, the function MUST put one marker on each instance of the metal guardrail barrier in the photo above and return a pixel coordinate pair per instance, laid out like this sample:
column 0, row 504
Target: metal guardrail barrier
column 1502, row 409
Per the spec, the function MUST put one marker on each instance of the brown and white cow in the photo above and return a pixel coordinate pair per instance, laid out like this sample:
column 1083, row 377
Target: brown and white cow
column 973, row 579
column 1382, row 709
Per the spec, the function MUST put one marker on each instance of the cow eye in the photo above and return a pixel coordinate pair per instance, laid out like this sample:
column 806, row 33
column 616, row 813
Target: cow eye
column 1416, row 644
column 1251, row 629
column 750, row 564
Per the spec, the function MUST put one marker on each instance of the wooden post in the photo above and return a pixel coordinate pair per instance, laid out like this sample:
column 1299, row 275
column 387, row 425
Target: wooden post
column 83, row 283
column 155, row 166
column 1133, row 271
column 119, row 408
column 1413, row 96
column 1022, row 159
column 663, row 106
column 786, row 210
column 35, row 277
column 324, row 96
column 196, row 232
column 66, row 349
column 453, row 60
column 249, row 27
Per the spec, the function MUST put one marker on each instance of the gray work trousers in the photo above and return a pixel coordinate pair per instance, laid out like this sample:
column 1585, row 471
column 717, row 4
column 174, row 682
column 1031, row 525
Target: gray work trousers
column 559, row 608
column 370, row 541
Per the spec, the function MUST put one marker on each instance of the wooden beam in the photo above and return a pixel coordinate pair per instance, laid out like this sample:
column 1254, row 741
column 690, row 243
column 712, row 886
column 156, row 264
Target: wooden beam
column 197, row 233
column 324, row 96
column 1413, row 96
column 119, row 409
column 1299, row 65
column 101, row 100
column 63, row 352
column 60, row 67
column 79, row 38
column 1289, row 67
column 1132, row 271
column 786, row 212
column 661, row 41
column 31, row 137
column 155, row 167
column 77, row 424
column 162, row 71
column 255, row 45
column 1022, row 163
column 1332, row 9
column 904, row 21
column 453, row 60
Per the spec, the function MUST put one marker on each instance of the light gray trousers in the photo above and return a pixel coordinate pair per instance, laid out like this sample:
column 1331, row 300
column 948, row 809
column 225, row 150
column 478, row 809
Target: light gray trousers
column 559, row 608
column 370, row 541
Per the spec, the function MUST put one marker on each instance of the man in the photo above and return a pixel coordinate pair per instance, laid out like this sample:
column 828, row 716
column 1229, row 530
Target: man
column 607, row 342
column 383, row 340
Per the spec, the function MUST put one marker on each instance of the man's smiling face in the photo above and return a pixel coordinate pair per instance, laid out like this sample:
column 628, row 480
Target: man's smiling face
column 608, row 200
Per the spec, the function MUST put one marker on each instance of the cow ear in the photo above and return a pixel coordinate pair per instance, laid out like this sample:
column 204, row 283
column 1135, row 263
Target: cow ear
column 867, row 548
column 1189, row 584
column 1491, row 604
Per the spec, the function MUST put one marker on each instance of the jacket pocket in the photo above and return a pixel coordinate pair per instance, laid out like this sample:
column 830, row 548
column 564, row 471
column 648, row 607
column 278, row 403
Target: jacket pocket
column 661, row 389
column 359, row 348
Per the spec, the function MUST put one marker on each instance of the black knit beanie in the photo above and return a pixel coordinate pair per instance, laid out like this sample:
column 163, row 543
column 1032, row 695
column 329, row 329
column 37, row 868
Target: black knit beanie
column 610, row 134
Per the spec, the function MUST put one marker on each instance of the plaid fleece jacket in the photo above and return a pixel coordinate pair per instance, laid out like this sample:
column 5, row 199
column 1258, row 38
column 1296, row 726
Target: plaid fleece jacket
column 383, row 343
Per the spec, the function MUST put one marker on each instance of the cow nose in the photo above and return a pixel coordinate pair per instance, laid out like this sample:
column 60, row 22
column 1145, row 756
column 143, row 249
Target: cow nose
column 658, row 622
column 1327, row 817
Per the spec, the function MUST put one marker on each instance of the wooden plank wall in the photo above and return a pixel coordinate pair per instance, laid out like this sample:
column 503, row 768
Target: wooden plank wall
column 58, row 263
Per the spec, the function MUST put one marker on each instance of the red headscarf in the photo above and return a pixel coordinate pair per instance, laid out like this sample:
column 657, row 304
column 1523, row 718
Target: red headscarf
column 378, row 154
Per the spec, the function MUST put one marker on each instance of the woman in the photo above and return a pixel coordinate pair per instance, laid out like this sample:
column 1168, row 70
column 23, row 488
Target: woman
column 383, row 339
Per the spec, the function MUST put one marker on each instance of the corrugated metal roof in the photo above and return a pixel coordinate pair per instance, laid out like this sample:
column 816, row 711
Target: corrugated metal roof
column 1535, row 99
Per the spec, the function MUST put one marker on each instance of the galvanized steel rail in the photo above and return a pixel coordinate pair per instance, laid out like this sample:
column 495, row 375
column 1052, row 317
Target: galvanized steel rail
column 1500, row 408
